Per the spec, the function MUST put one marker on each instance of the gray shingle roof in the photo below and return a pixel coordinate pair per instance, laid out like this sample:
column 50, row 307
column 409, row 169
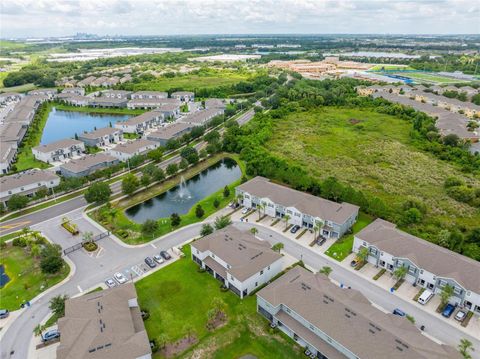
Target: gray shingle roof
column 347, row 317
column 435, row 259
column 57, row 145
column 17, row 180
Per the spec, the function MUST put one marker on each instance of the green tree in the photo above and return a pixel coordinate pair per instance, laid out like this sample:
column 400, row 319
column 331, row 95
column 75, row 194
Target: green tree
column 412, row 215
column 130, row 184
column 172, row 169
column 286, row 218
column 158, row 175
column 277, row 247
column 17, row 202
column 446, row 294
column 57, row 305
column 175, row 219
column 222, row 222
column 149, row 227
column 183, row 164
column 155, row 155
column 216, row 203
column 87, row 237
column 145, row 180
column 400, row 272
column 254, row 231
column 326, row 270
column 465, row 347
column 260, row 207
column 98, row 192
column 206, row 230
column 226, row 191
column 199, row 212
column 51, row 261
column 363, row 254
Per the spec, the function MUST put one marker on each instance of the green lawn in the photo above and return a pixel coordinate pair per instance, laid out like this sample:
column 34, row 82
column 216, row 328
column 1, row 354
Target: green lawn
column 178, row 295
column 194, row 81
column 20, row 88
column 389, row 67
column 120, row 222
column 430, row 78
column 374, row 153
column 26, row 278
column 343, row 247
column 123, row 111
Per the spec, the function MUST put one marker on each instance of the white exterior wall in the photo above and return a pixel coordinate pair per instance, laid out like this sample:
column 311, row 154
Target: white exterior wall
column 295, row 216
column 122, row 156
column 67, row 153
column 32, row 186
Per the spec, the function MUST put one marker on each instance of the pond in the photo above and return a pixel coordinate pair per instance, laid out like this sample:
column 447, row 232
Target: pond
column 65, row 124
column 4, row 278
column 182, row 197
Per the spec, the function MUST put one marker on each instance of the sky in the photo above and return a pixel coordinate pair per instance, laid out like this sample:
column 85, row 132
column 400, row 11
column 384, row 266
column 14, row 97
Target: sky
column 42, row 18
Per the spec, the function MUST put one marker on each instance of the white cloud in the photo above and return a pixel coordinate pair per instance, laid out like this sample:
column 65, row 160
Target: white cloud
column 164, row 17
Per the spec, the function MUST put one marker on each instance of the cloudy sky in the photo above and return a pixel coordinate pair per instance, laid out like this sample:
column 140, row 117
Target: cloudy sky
column 35, row 18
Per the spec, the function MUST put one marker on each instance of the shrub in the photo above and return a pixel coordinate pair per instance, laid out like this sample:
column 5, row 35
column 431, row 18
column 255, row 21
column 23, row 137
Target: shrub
column 199, row 212
column 20, row 242
column 17, row 202
column 461, row 193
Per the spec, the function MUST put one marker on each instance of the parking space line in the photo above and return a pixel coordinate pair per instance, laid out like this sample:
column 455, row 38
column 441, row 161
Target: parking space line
column 153, row 245
column 79, row 289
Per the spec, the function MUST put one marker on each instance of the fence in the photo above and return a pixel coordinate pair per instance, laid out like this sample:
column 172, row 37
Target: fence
column 77, row 246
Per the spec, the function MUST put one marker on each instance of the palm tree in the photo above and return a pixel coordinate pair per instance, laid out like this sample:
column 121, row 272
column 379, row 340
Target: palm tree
column 87, row 237
column 286, row 218
column 363, row 254
column 239, row 197
column 38, row 330
column 464, row 347
column 254, row 231
column 326, row 270
column 446, row 294
column 260, row 207
column 400, row 272
column 316, row 228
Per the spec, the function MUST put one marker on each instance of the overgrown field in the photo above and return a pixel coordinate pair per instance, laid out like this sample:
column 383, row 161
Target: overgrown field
column 373, row 153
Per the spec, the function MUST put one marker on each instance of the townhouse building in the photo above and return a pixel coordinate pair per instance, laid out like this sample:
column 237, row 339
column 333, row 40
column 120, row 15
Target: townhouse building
column 202, row 117
column 429, row 266
column 87, row 165
column 76, row 100
column 49, row 92
column 139, row 124
column 59, row 150
column 126, row 151
column 303, row 209
column 184, row 96
column 86, row 81
column 169, row 132
column 101, row 137
column 80, row 91
column 108, row 102
column 215, row 103
column 8, row 154
column 117, row 94
column 237, row 259
column 338, row 323
column 9, row 97
column 149, row 95
column 26, row 183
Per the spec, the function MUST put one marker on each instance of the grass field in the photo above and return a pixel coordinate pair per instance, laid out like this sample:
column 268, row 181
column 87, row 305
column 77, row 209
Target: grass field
column 178, row 295
column 375, row 155
column 193, row 81
column 343, row 247
column 389, row 67
column 121, row 222
column 430, row 78
column 20, row 88
column 123, row 111
column 26, row 278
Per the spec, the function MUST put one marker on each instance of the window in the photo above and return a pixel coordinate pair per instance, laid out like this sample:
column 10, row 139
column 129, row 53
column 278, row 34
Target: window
column 256, row 284
column 261, row 272
column 213, row 255
column 268, row 268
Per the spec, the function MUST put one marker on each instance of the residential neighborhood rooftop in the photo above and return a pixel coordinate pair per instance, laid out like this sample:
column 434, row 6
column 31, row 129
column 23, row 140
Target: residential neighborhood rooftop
column 100, row 132
column 348, row 318
column 133, row 146
column 53, row 146
column 245, row 254
column 170, row 131
column 86, row 162
column 423, row 253
column 25, row 178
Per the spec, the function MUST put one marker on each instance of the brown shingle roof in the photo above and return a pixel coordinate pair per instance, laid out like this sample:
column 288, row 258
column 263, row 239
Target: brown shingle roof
column 435, row 259
column 347, row 317
column 306, row 203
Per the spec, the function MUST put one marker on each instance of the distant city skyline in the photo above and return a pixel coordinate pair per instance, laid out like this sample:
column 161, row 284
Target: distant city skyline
column 56, row 18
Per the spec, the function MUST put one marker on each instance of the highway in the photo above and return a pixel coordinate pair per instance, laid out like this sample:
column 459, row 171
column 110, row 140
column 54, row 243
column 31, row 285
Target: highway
column 42, row 215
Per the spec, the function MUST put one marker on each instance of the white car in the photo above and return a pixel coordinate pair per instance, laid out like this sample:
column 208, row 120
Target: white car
column 110, row 283
column 120, row 278
column 460, row 315
column 158, row 259
column 245, row 210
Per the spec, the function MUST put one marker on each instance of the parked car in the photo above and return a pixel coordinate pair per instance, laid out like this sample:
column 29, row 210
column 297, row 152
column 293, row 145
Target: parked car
column 158, row 259
column 295, row 229
column 321, row 240
column 4, row 313
column 399, row 312
column 448, row 310
column 120, row 278
column 110, row 283
column 245, row 210
column 165, row 255
column 425, row 297
column 50, row 335
column 150, row 262
column 460, row 316
column 354, row 263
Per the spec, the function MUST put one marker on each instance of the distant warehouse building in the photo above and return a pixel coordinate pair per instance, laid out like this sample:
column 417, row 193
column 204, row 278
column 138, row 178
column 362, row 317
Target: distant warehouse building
column 87, row 165
column 338, row 323
column 126, row 151
column 169, row 132
column 303, row 209
column 26, row 183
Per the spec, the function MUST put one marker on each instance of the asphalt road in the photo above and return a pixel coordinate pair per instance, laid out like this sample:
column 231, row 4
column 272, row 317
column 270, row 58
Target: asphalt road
column 37, row 217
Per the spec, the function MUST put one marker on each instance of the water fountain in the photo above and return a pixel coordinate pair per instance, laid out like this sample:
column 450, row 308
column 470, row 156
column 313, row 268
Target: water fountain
column 183, row 192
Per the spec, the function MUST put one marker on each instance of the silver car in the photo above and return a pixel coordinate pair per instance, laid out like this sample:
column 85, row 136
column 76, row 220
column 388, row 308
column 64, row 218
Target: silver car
column 120, row 278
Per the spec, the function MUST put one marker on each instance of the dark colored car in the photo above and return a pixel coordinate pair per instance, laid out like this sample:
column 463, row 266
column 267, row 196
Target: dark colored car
column 50, row 335
column 399, row 312
column 150, row 262
column 321, row 240
column 165, row 255
column 353, row 263
column 448, row 310
column 4, row 313
column 295, row 228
